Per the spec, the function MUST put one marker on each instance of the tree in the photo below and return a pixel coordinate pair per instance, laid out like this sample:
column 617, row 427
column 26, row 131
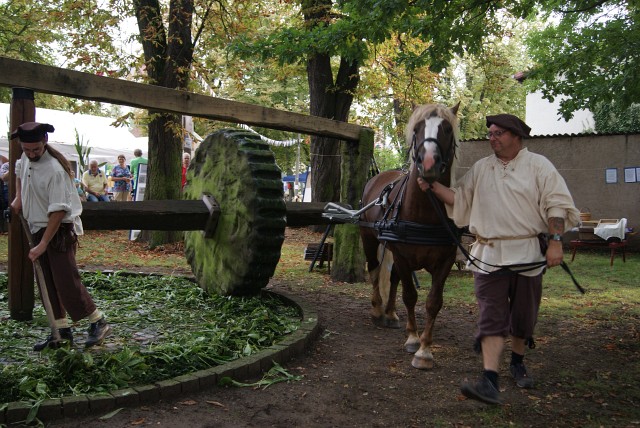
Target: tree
column 335, row 39
column 589, row 54
column 168, row 53
column 610, row 118
column 487, row 83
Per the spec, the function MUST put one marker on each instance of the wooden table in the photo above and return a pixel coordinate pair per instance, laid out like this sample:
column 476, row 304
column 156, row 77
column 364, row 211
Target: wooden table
column 576, row 243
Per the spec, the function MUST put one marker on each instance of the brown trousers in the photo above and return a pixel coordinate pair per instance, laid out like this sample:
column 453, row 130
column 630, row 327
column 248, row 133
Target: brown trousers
column 508, row 304
column 66, row 291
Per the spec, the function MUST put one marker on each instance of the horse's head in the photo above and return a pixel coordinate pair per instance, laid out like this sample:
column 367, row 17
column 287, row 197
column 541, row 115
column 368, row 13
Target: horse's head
column 432, row 135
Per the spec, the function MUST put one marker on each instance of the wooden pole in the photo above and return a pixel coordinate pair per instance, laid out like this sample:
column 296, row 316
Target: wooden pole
column 349, row 261
column 20, row 269
column 179, row 215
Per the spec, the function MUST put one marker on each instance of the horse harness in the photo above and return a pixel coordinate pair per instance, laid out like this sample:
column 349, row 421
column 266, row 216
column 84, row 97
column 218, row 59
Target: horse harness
column 391, row 229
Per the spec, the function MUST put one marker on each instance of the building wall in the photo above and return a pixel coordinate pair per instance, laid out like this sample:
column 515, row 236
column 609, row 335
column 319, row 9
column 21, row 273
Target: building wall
column 583, row 162
column 543, row 118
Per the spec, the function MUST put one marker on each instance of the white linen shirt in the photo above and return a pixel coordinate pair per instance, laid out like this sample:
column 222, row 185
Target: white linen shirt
column 507, row 207
column 47, row 188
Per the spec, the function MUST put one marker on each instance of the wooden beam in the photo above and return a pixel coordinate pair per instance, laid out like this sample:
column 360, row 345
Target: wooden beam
column 20, row 269
column 145, row 215
column 305, row 214
column 178, row 215
column 70, row 83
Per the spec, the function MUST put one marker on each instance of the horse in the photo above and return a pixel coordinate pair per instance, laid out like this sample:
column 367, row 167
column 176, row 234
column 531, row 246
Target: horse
column 405, row 222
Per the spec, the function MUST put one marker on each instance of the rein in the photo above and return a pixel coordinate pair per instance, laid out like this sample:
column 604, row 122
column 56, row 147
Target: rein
column 502, row 269
column 403, row 231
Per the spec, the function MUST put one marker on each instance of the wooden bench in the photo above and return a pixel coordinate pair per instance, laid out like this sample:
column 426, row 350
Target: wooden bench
column 325, row 255
column 613, row 246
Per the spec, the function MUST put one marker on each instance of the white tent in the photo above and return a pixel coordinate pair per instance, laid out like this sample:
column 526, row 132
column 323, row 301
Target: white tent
column 106, row 141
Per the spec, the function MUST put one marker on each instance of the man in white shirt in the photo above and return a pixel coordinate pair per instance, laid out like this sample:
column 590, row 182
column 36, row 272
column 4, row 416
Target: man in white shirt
column 46, row 195
column 508, row 199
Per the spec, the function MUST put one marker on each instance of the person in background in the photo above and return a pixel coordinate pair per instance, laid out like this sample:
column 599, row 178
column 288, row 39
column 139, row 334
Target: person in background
column 186, row 159
column 137, row 160
column 79, row 187
column 121, row 177
column 46, row 196
column 4, row 190
column 95, row 183
column 509, row 200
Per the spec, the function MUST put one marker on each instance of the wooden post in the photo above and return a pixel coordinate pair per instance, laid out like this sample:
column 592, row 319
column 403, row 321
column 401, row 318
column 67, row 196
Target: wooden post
column 348, row 265
column 20, row 269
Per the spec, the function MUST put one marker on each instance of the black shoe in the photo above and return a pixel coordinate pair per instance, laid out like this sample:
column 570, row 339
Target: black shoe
column 97, row 332
column 65, row 334
column 519, row 373
column 483, row 390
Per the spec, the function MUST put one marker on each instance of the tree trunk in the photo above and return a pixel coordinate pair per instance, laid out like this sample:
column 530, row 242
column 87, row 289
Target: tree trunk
column 163, row 156
column 168, row 57
column 331, row 100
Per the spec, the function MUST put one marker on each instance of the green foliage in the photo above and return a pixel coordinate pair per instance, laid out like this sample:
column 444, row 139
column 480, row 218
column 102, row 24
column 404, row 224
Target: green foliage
column 276, row 374
column 163, row 327
column 23, row 34
column 484, row 84
column 83, row 150
column 589, row 55
column 388, row 158
column 610, row 118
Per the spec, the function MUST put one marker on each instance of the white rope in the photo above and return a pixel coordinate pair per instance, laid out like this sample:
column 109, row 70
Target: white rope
column 283, row 143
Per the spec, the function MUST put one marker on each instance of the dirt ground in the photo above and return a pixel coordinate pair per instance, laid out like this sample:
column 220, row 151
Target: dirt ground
column 357, row 375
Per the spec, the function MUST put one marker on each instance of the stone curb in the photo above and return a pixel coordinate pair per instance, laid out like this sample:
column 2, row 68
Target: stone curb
column 293, row 345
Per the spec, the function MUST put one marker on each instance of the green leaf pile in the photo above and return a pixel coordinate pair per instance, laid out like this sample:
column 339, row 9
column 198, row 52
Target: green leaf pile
column 163, row 326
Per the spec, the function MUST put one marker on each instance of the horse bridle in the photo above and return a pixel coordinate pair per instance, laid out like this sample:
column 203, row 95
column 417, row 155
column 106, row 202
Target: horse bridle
column 441, row 163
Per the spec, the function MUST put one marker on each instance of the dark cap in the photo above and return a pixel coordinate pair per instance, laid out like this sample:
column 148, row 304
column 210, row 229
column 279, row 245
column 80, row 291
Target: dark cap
column 510, row 122
column 32, row 132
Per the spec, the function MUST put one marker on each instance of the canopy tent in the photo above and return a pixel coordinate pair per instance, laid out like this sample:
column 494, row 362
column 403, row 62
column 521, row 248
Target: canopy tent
column 106, row 141
column 302, row 178
column 70, row 153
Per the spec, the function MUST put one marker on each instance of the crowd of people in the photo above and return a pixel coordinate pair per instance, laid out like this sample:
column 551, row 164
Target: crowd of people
column 119, row 185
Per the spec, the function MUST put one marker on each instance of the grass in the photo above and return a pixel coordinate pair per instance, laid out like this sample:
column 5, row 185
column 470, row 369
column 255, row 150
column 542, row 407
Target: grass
column 113, row 248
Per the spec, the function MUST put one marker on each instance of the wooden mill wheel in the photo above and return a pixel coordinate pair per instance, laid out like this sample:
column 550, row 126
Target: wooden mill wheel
column 240, row 172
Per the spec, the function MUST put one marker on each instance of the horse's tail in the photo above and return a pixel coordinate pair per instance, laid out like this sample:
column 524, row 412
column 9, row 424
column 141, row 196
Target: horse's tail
column 385, row 257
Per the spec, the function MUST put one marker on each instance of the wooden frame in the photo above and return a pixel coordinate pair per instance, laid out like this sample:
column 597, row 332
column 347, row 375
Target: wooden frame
column 58, row 81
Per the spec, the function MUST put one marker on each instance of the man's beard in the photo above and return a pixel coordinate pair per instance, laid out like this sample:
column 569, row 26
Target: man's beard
column 35, row 158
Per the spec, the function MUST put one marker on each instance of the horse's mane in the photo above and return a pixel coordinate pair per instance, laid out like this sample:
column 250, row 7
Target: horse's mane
column 425, row 110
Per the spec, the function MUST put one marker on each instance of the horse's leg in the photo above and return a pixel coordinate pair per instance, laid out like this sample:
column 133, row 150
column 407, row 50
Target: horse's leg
column 409, row 298
column 370, row 246
column 423, row 358
column 388, row 286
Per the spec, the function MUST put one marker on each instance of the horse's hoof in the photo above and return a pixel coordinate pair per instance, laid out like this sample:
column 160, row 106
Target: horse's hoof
column 391, row 323
column 422, row 363
column 378, row 321
column 412, row 348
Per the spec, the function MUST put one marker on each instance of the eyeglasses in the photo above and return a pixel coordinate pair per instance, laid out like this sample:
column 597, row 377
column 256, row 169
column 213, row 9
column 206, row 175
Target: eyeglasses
column 495, row 134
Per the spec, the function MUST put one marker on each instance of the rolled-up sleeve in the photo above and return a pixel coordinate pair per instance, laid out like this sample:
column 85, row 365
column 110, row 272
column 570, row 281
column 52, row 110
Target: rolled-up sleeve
column 556, row 200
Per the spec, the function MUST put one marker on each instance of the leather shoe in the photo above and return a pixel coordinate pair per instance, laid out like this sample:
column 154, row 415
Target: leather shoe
column 483, row 391
column 97, row 332
column 65, row 334
column 519, row 373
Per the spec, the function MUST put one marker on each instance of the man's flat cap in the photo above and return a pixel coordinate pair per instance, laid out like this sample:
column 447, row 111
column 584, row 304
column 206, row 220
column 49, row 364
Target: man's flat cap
column 510, row 122
column 32, row 132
